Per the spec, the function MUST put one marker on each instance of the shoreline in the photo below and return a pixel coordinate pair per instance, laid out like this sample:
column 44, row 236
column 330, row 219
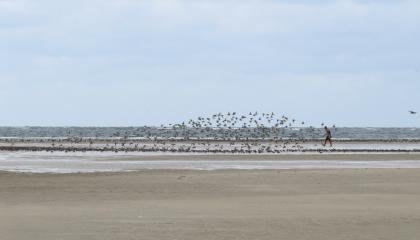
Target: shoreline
column 168, row 156
column 206, row 146
column 64, row 163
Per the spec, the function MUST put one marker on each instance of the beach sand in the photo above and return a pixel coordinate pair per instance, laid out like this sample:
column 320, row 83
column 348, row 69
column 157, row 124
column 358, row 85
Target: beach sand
column 225, row 204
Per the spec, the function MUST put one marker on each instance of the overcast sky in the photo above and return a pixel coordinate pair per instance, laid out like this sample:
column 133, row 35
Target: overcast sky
column 126, row 62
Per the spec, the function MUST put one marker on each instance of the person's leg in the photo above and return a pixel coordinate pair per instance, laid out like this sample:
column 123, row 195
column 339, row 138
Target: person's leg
column 329, row 139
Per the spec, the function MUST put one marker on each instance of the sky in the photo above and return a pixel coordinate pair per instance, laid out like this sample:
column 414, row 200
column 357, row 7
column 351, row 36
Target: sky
column 135, row 63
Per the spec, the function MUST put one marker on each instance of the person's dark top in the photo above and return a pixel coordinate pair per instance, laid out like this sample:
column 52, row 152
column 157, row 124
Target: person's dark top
column 328, row 133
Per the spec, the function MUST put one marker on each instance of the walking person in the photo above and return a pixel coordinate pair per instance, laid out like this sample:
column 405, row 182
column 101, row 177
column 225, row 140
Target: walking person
column 328, row 136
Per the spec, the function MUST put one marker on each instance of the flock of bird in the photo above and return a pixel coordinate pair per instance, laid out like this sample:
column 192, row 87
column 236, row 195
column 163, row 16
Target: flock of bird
column 230, row 132
column 232, row 126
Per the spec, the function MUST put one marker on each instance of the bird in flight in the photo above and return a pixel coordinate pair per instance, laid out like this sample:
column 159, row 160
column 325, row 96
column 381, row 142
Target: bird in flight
column 412, row 112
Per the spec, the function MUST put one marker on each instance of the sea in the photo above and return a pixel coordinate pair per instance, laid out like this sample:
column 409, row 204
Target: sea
column 346, row 133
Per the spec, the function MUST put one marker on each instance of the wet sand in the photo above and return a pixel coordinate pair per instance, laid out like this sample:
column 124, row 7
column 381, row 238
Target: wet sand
column 79, row 162
column 226, row 204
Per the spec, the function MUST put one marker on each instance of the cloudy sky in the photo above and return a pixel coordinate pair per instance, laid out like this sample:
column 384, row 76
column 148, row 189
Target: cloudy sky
column 127, row 62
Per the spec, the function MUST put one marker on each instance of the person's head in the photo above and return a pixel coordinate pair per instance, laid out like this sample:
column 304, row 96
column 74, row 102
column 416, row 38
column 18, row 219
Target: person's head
column 325, row 128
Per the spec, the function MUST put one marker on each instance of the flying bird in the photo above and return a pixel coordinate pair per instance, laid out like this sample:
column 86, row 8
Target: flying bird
column 412, row 112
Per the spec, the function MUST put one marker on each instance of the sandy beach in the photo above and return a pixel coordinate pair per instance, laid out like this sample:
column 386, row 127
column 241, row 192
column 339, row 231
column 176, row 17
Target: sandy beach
column 224, row 204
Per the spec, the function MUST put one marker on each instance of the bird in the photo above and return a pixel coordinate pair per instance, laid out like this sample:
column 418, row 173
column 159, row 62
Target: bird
column 412, row 112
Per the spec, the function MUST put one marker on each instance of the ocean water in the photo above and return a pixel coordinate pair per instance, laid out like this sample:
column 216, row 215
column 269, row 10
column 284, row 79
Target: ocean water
column 159, row 132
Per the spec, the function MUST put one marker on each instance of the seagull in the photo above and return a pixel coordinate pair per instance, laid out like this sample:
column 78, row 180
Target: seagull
column 412, row 112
